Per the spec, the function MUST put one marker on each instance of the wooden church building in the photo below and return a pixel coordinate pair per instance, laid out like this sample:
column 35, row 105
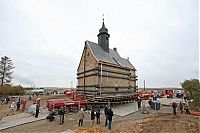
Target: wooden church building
column 102, row 71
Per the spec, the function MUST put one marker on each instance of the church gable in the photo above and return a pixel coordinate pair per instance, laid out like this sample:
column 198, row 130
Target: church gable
column 90, row 61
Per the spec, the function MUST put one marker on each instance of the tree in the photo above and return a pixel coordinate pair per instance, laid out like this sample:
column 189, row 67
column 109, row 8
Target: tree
column 191, row 85
column 6, row 67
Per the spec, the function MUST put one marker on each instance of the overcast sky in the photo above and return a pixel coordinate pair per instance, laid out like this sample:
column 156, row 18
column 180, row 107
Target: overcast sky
column 45, row 38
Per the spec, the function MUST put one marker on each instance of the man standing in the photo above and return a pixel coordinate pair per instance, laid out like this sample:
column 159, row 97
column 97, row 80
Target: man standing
column 98, row 114
column 174, row 105
column 37, row 110
column 181, row 107
column 92, row 117
column 61, row 114
column 18, row 105
column 23, row 105
column 18, row 102
column 11, row 108
column 187, row 108
column 81, row 117
column 139, row 103
column 106, row 115
column 110, row 115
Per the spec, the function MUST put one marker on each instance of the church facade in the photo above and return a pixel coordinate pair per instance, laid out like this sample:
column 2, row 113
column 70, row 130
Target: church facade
column 102, row 71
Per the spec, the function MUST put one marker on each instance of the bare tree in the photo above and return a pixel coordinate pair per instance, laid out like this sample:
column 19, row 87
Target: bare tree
column 6, row 66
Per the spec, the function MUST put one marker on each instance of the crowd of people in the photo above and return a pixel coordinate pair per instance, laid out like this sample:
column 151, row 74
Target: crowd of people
column 19, row 104
column 95, row 113
column 182, row 106
column 155, row 104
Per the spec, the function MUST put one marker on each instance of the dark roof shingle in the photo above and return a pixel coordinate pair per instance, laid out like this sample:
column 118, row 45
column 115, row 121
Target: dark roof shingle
column 112, row 57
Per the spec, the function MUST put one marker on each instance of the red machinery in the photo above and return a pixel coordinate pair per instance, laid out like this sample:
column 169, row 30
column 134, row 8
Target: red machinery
column 68, row 92
column 77, row 101
column 143, row 95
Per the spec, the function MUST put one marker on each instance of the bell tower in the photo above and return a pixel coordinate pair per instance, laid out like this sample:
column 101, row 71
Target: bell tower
column 103, row 38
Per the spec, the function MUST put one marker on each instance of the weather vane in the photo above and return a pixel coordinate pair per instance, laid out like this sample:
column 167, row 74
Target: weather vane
column 103, row 17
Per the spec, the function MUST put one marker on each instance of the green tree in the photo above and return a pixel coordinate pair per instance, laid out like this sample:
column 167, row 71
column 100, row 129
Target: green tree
column 192, row 86
column 6, row 67
column 197, row 99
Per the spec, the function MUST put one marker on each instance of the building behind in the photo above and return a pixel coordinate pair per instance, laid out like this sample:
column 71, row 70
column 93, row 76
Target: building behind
column 102, row 71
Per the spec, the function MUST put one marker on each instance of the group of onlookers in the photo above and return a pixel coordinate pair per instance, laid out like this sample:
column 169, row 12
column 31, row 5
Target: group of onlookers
column 181, row 107
column 95, row 113
column 20, row 102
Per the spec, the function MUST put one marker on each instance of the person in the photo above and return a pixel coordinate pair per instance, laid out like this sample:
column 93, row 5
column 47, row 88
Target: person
column 181, row 107
column 38, row 101
column 139, row 103
column 23, row 104
column 61, row 113
column 144, row 111
column 7, row 99
column 29, row 98
column 11, row 108
column 150, row 102
column 19, row 99
column 184, row 96
column 187, row 108
column 97, row 115
column 110, row 115
column 174, row 105
column 106, row 115
column 51, row 116
column 92, row 117
column 81, row 117
column 37, row 110
column 18, row 105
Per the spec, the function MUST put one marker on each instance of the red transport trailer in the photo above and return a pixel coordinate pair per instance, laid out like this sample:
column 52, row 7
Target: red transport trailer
column 68, row 91
column 143, row 95
column 78, row 100
column 69, row 105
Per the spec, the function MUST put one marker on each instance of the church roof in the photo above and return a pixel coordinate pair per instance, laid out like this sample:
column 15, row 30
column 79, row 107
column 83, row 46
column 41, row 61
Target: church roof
column 112, row 57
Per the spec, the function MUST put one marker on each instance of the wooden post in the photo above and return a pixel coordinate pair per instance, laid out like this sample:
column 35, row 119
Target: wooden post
column 101, row 80
column 84, row 69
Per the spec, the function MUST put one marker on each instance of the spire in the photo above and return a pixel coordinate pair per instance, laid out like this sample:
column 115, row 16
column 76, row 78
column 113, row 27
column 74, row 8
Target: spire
column 103, row 37
column 103, row 25
column 103, row 28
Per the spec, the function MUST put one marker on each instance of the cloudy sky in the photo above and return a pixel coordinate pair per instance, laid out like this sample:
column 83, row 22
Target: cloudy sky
column 45, row 38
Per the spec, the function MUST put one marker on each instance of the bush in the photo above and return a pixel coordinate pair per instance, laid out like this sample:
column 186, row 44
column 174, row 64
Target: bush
column 6, row 90
column 197, row 99
column 193, row 87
